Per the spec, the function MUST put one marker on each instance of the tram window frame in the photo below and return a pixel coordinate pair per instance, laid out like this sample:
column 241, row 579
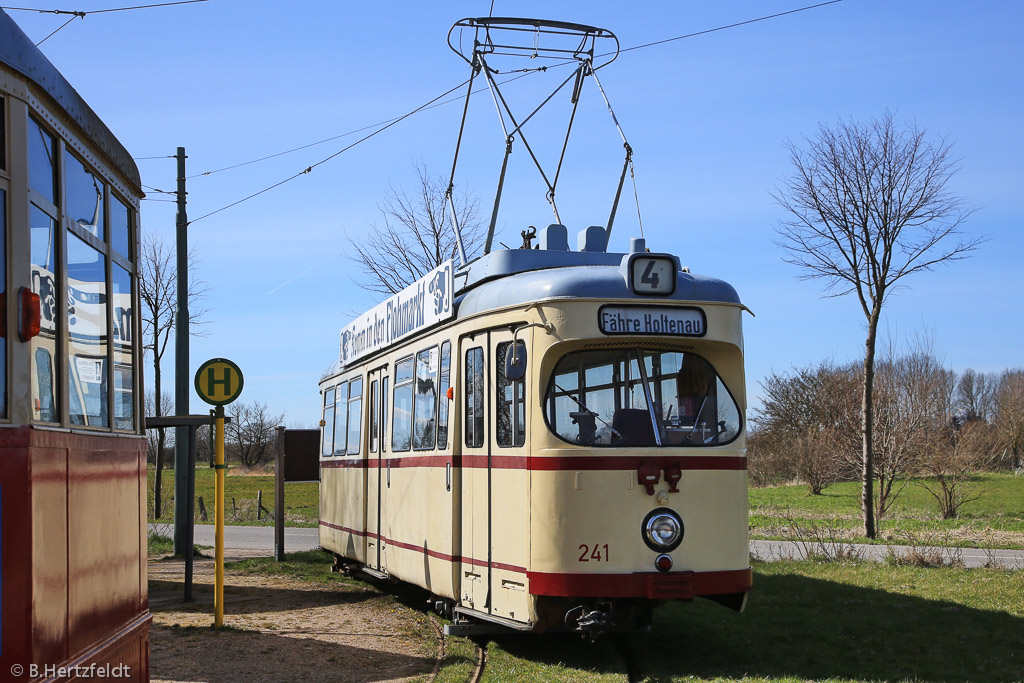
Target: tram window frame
column 717, row 400
column 474, row 392
column 355, row 426
column 327, row 449
column 405, row 377
column 340, row 418
column 424, row 433
column 54, row 154
column 374, row 418
column 511, row 432
column 443, row 386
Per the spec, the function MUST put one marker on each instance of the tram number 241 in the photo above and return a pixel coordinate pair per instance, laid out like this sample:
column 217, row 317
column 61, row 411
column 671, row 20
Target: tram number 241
column 596, row 553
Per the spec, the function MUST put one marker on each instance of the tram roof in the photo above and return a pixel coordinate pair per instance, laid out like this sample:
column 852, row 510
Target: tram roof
column 520, row 276
column 19, row 53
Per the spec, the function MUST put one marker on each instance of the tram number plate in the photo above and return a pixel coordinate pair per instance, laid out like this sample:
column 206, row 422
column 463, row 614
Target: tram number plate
column 595, row 553
column 653, row 275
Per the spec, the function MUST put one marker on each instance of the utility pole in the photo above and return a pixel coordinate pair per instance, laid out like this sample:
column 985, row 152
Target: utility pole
column 182, row 511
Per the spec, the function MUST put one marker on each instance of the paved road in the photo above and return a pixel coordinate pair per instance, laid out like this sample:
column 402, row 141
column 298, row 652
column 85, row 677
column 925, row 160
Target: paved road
column 250, row 537
column 261, row 538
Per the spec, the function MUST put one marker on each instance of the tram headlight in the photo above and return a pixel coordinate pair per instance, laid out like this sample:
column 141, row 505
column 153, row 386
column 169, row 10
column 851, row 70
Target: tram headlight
column 662, row 530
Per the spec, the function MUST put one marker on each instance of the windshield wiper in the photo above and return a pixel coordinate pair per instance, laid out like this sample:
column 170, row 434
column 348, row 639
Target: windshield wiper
column 590, row 412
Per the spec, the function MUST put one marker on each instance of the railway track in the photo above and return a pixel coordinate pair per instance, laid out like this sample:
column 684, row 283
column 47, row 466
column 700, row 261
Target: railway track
column 620, row 643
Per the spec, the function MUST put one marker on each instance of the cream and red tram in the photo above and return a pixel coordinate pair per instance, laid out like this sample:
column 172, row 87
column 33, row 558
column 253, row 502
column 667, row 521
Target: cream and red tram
column 544, row 439
column 73, row 551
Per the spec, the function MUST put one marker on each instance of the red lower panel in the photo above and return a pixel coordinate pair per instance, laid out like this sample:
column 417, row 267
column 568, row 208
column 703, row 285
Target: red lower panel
column 652, row 585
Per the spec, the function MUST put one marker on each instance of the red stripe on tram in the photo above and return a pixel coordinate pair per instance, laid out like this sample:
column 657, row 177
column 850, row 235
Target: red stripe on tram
column 540, row 463
column 421, row 549
column 672, row 585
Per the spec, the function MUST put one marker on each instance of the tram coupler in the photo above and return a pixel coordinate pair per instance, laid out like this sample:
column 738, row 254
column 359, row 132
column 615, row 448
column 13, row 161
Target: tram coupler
column 591, row 622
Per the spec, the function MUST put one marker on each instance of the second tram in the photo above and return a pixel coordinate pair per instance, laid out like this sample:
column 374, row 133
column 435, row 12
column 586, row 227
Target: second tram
column 73, row 547
column 544, row 439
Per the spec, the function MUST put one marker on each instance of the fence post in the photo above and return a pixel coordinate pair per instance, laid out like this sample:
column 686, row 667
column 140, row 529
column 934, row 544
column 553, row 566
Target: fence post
column 279, row 497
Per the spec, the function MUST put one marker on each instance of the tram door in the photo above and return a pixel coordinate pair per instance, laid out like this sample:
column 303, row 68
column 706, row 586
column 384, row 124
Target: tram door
column 495, row 490
column 376, row 480
column 475, row 577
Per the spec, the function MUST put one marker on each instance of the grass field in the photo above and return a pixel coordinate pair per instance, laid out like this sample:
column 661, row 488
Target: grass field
column 301, row 500
column 996, row 519
column 805, row 621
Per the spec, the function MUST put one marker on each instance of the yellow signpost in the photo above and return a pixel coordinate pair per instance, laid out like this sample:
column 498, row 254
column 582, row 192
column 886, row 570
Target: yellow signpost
column 219, row 382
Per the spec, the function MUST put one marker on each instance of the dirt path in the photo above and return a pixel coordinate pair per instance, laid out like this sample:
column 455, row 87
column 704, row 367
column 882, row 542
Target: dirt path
column 281, row 629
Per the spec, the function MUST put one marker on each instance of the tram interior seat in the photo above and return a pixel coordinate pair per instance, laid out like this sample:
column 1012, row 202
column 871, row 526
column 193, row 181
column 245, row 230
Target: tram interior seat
column 587, row 425
column 634, row 424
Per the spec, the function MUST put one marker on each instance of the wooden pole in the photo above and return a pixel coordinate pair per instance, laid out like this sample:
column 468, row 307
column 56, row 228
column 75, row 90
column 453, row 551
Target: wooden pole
column 279, row 497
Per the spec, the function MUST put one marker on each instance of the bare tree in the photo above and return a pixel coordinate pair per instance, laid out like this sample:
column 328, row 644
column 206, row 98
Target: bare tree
column 808, row 423
column 1009, row 414
column 251, row 431
column 975, row 396
column 912, row 408
column 415, row 235
column 158, row 284
column 868, row 206
column 950, row 462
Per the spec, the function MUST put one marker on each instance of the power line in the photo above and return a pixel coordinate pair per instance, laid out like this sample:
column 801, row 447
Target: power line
column 433, row 103
column 526, row 73
column 728, row 26
column 309, row 169
column 79, row 13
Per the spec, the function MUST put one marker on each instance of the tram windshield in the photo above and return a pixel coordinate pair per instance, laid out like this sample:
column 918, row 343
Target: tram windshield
column 637, row 397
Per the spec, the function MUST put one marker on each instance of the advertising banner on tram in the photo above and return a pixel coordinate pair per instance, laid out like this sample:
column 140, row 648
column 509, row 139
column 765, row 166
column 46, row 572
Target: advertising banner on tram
column 426, row 302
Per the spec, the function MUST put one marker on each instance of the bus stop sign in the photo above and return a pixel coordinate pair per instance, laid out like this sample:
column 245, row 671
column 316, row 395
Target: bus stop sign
column 218, row 381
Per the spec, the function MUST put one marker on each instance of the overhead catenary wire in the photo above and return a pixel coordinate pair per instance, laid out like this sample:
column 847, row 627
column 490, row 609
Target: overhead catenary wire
column 309, row 169
column 434, row 103
column 98, row 11
column 81, row 14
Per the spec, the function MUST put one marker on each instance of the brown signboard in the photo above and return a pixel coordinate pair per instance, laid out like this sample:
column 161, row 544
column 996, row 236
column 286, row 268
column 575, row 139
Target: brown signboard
column 301, row 455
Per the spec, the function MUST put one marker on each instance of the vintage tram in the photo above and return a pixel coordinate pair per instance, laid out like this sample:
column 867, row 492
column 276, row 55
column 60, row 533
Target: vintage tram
column 544, row 439
column 73, row 593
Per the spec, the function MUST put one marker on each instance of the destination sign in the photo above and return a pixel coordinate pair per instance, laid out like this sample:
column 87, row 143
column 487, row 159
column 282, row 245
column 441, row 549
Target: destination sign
column 426, row 302
column 685, row 322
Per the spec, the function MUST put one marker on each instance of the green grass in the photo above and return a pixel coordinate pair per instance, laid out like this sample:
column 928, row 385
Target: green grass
column 309, row 565
column 301, row 499
column 810, row 621
column 805, row 621
column 996, row 519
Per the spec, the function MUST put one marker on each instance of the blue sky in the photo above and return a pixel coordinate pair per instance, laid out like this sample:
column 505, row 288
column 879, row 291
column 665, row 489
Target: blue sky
column 708, row 118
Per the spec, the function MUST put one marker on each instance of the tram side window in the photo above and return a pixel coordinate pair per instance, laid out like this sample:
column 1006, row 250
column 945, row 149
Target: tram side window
column 355, row 414
column 341, row 419
column 327, row 448
column 401, row 427
column 83, row 196
column 87, row 323
column 124, row 364
column 425, row 408
column 374, row 423
column 120, row 228
column 511, row 402
column 43, row 237
column 42, row 169
column 442, row 411
column 627, row 397
column 474, row 397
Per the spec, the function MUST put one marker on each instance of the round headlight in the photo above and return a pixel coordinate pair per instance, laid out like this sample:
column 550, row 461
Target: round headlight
column 662, row 530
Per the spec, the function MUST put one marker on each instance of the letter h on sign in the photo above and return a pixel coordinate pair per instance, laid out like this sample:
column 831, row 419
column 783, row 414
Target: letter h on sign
column 212, row 381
